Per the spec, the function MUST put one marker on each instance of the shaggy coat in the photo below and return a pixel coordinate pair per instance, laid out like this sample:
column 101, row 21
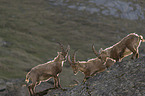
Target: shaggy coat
column 43, row 72
column 90, row 67
column 127, row 46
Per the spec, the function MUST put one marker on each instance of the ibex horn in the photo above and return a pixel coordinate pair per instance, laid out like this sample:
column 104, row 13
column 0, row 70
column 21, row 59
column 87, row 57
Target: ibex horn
column 74, row 56
column 69, row 60
column 68, row 48
column 61, row 46
column 93, row 48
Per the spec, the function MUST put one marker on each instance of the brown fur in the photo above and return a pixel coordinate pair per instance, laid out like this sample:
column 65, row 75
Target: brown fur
column 127, row 46
column 110, row 62
column 43, row 72
column 90, row 67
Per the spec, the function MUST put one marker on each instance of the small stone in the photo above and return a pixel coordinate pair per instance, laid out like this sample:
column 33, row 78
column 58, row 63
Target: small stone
column 2, row 85
column 9, row 86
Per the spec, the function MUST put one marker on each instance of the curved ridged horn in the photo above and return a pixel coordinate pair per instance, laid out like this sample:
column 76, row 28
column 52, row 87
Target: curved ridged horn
column 61, row 46
column 93, row 48
column 74, row 57
column 68, row 48
column 69, row 60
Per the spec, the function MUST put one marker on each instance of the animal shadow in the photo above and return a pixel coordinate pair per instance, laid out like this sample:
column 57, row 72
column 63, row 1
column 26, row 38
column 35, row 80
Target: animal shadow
column 42, row 93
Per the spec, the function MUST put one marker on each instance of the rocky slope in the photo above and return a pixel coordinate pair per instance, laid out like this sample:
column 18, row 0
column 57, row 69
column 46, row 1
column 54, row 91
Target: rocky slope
column 29, row 30
column 124, row 78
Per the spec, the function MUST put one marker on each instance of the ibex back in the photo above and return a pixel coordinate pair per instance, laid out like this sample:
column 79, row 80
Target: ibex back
column 44, row 72
column 127, row 46
column 90, row 67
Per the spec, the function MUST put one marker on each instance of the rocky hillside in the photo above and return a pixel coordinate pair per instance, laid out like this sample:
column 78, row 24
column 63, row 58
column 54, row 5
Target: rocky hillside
column 29, row 30
column 124, row 78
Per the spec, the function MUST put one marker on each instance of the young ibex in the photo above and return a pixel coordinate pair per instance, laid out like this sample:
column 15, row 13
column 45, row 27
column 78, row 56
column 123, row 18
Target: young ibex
column 88, row 68
column 44, row 72
column 123, row 48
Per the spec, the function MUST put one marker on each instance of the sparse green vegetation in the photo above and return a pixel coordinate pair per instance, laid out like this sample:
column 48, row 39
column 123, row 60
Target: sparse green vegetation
column 29, row 30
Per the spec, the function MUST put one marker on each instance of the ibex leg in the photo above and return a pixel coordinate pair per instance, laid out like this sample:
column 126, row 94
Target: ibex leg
column 31, row 89
column 87, row 75
column 137, row 54
column 56, row 82
column 132, row 49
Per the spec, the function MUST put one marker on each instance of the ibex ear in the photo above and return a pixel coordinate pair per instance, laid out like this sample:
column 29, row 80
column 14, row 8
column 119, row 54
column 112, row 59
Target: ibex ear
column 100, row 50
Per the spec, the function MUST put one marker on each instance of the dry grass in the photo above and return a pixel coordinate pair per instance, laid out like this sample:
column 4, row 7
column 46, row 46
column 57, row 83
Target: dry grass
column 29, row 30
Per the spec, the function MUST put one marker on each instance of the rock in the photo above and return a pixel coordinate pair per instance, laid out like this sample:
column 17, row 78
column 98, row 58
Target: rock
column 122, row 9
column 13, row 87
column 10, row 86
column 122, row 79
column 2, row 85
column 3, row 89
column 23, row 91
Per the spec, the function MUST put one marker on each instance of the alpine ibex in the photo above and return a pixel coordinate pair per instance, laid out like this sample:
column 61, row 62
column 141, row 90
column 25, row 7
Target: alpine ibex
column 123, row 48
column 43, row 72
column 88, row 68
column 109, row 61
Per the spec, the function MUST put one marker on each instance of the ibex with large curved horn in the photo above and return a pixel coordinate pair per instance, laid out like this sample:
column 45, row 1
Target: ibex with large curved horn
column 44, row 72
column 127, row 46
column 109, row 61
column 88, row 68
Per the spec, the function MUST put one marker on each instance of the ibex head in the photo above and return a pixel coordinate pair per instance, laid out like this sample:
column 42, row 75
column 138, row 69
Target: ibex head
column 63, row 52
column 73, row 63
column 141, row 38
column 101, row 55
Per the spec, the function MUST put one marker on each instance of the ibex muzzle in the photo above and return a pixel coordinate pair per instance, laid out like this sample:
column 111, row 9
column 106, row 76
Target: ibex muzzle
column 88, row 68
column 51, row 69
column 127, row 46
